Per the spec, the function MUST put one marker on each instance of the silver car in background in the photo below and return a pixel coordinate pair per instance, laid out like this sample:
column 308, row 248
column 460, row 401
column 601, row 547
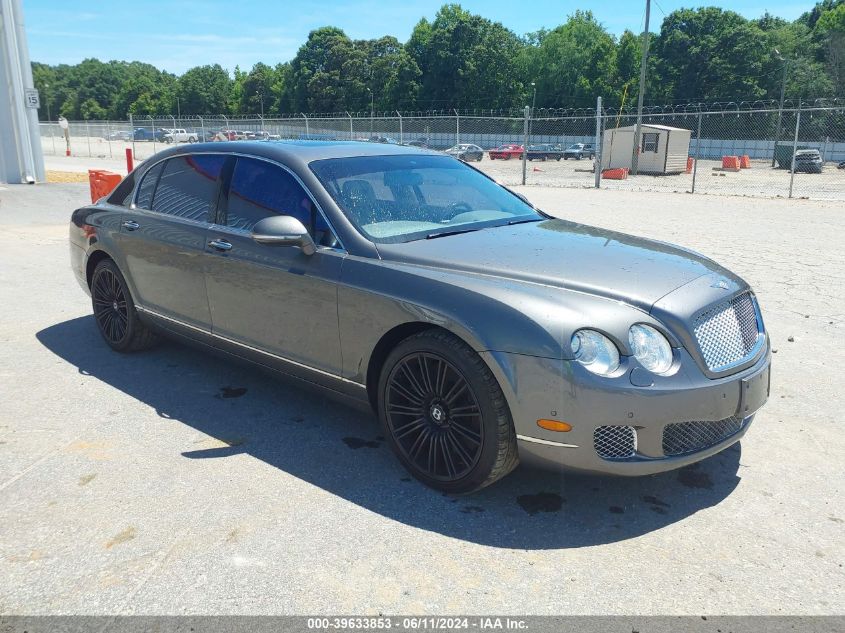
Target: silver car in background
column 480, row 330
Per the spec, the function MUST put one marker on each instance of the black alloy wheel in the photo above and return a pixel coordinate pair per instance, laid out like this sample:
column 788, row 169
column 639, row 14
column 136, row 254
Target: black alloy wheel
column 445, row 415
column 434, row 416
column 110, row 308
column 114, row 311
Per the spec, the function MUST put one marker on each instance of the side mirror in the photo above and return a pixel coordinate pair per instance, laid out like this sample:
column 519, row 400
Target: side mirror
column 283, row 230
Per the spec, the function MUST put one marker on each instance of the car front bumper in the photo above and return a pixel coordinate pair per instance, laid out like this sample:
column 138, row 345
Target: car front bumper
column 561, row 390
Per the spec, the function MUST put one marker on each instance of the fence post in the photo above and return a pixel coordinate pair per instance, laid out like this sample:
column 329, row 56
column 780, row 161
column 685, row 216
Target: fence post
column 597, row 161
column 132, row 132
column 153, row 126
column 458, row 130
column 525, row 143
column 697, row 152
column 52, row 137
column 108, row 136
column 794, row 149
column 307, row 130
column 202, row 128
column 351, row 131
column 88, row 135
column 401, row 139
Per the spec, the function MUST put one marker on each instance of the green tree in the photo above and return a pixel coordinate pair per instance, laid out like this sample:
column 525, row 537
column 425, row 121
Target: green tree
column 204, row 90
column 576, row 62
column 466, row 61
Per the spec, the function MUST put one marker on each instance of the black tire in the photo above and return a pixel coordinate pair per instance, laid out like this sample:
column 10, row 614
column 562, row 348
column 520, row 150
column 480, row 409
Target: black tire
column 557, row 158
column 566, row 158
column 460, row 437
column 115, row 313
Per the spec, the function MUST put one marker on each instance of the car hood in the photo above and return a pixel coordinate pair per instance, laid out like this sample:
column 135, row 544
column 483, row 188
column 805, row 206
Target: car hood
column 564, row 254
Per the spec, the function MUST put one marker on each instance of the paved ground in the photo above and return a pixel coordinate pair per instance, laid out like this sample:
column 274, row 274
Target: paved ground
column 171, row 482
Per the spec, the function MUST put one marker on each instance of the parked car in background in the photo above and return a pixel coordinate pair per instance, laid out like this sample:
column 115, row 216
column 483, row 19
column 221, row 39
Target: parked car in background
column 809, row 161
column 544, row 152
column 232, row 135
column 481, row 331
column 149, row 134
column 466, row 152
column 506, row 152
column 579, row 151
column 180, row 135
column 420, row 142
column 119, row 135
column 260, row 135
column 383, row 139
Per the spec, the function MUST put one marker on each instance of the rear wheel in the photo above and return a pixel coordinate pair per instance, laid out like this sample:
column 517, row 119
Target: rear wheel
column 445, row 415
column 114, row 311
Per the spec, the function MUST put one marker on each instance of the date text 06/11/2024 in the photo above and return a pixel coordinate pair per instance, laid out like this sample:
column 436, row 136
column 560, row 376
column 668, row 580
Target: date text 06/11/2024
column 416, row 623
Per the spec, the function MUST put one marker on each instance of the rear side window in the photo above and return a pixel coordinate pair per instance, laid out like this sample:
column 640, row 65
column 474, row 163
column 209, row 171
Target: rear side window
column 122, row 194
column 188, row 186
column 147, row 188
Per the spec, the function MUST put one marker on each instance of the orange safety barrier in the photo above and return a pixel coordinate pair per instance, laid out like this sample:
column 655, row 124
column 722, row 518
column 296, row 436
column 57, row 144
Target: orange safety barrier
column 730, row 162
column 620, row 173
column 690, row 164
column 745, row 162
column 102, row 182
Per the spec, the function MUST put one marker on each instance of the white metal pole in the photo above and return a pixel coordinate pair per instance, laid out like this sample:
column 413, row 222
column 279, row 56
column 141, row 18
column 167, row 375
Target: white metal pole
column 597, row 161
column 794, row 149
column 525, row 143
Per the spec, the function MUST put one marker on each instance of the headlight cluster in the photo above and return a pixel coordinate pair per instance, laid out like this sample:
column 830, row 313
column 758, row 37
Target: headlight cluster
column 600, row 355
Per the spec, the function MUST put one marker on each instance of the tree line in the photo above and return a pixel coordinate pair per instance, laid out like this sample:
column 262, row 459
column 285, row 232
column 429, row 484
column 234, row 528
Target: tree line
column 464, row 61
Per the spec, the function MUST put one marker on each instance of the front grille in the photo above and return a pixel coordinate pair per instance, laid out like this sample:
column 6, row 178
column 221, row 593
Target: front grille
column 615, row 442
column 728, row 332
column 689, row 437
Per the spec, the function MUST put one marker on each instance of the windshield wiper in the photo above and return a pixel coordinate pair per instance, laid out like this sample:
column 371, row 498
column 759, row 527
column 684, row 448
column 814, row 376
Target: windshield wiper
column 432, row 236
column 524, row 220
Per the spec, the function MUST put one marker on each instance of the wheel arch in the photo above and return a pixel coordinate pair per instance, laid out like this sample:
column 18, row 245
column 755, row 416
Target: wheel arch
column 93, row 259
column 387, row 343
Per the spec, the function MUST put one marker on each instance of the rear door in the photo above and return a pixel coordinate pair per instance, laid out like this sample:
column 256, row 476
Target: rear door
column 274, row 298
column 164, row 234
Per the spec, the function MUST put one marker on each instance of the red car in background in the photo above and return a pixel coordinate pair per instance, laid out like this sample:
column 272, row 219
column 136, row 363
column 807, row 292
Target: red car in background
column 506, row 152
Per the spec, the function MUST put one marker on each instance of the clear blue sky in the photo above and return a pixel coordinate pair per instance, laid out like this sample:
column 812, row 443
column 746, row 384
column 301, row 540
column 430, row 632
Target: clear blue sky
column 176, row 35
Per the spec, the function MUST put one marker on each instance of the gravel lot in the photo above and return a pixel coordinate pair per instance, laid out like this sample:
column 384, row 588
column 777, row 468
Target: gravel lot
column 171, row 482
column 759, row 181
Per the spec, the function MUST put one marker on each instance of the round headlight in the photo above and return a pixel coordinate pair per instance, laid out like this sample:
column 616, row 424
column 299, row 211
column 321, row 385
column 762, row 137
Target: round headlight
column 595, row 351
column 651, row 348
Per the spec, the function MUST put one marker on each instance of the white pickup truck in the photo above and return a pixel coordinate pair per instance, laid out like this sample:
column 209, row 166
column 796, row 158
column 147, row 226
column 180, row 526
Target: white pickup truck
column 180, row 135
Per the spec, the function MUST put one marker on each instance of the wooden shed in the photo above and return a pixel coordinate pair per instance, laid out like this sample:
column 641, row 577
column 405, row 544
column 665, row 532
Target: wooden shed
column 663, row 149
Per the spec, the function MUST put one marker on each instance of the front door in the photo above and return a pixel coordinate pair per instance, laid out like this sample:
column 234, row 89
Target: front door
column 163, row 237
column 273, row 298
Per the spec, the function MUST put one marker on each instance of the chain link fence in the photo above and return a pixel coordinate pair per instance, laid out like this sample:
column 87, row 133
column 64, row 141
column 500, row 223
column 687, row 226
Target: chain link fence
column 795, row 152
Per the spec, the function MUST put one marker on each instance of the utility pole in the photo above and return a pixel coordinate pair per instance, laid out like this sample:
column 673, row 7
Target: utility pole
column 780, row 107
column 636, row 155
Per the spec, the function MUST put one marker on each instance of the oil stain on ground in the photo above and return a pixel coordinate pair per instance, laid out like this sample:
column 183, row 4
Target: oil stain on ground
column 357, row 442
column 541, row 502
column 87, row 479
column 231, row 392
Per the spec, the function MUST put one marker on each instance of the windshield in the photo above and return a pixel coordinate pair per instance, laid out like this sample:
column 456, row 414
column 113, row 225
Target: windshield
column 409, row 197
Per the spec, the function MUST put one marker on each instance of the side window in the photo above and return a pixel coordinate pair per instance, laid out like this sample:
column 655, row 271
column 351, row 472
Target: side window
column 188, row 186
column 650, row 141
column 260, row 190
column 122, row 194
column 147, row 188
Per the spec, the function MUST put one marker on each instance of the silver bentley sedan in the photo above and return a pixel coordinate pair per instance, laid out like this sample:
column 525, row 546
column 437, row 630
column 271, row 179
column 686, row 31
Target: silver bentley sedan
column 482, row 331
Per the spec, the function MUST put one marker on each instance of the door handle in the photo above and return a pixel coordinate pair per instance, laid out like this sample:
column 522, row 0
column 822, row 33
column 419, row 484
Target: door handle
column 220, row 245
column 131, row 225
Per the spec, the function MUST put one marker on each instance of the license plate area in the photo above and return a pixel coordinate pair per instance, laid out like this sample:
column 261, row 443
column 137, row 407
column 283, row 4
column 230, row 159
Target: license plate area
column 755, row 391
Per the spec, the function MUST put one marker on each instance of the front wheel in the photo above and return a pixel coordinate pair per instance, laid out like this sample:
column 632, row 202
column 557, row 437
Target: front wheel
column 114, row 311
column 445, row 415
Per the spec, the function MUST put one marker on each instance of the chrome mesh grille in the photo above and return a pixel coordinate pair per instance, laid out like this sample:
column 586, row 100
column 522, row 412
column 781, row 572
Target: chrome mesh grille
column 688, row 437
column 727, row 333
column 615, row 442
